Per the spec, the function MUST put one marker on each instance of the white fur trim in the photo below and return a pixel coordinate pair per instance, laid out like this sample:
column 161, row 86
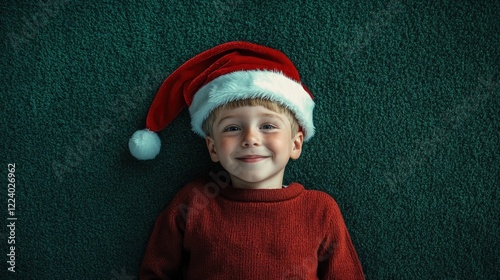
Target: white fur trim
column 144, row 144
column 240, row 85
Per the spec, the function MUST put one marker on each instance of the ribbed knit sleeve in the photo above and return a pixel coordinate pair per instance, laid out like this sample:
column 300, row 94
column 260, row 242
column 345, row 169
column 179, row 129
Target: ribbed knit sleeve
column 163, row 258
column 337, row 257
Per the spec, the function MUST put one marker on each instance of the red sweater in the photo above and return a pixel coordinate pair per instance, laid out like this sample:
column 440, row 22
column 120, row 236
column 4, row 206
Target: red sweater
column 211, row 232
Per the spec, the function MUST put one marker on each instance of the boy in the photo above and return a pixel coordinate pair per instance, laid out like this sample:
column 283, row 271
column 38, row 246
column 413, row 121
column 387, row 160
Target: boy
column 247, row 103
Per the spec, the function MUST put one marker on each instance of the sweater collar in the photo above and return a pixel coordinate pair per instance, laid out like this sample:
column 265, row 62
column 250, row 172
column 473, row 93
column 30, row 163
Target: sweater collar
column 262, row 195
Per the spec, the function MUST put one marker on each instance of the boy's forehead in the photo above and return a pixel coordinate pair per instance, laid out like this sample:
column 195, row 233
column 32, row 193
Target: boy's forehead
column 246, row 111
column 246, row 108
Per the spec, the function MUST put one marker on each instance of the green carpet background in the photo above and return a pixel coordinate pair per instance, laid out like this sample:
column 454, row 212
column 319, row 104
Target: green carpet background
column 407, row 119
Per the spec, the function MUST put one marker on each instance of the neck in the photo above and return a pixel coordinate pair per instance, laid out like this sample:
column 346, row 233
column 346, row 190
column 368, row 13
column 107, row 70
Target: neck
column 274, row 183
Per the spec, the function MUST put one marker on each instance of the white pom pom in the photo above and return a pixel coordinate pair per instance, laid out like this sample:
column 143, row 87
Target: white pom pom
column 144, row 144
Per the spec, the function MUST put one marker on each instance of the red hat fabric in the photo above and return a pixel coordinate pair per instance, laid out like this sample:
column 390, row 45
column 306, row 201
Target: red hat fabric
column 228, row 72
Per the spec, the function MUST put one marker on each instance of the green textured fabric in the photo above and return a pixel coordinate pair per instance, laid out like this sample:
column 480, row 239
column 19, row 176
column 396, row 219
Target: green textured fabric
column 407, row 120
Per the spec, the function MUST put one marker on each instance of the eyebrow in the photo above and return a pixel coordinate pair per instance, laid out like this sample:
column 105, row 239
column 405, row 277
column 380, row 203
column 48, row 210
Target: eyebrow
column 263, row 116
column 276, row 115
column 226, row 117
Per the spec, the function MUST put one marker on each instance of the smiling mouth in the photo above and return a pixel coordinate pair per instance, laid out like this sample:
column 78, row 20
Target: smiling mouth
column 251, row 159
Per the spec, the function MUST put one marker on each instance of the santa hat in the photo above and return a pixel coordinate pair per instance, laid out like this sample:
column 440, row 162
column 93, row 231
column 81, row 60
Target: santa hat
column 228, row 72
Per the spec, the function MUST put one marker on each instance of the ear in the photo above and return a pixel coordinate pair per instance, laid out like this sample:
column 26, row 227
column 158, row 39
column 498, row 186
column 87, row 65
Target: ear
column 211, row 148
column 297, row 145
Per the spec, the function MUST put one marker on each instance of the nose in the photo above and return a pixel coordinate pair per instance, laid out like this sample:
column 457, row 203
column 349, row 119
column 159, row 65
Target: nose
column 250, row 138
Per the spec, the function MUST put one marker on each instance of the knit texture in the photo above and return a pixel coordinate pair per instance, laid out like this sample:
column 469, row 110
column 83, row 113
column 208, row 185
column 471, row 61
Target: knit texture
column 407, row 122
column 216, row 232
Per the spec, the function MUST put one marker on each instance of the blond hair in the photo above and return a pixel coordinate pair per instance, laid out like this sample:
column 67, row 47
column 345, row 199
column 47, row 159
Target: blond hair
column 268, row 104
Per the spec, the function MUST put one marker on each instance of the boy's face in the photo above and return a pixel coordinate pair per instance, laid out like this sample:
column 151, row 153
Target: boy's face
column 254, row 145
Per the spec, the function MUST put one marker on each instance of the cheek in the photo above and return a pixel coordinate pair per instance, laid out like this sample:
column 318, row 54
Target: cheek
column 279, row 142
column 226, row 144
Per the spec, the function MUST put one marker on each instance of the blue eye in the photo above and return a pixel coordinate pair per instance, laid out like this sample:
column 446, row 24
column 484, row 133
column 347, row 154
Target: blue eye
column 268, row 127
column 231, row 128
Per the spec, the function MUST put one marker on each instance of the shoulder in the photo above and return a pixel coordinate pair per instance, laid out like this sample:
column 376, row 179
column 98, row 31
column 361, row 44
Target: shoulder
column 321, row 201
column 193, row 190
column 325, row 209
column 188, row 198
column 320, row 197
